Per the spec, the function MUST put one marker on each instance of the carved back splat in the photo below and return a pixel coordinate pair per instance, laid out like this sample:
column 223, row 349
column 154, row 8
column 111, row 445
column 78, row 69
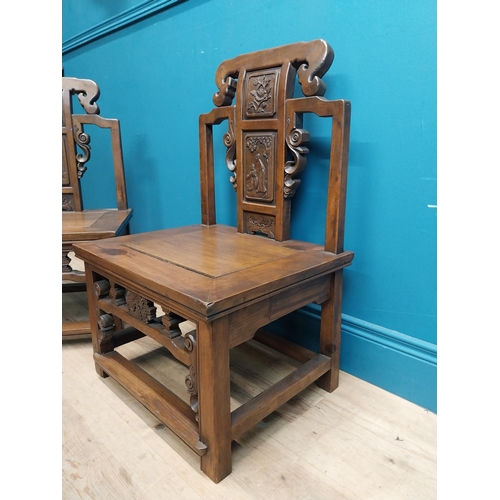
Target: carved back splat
column 265, row 140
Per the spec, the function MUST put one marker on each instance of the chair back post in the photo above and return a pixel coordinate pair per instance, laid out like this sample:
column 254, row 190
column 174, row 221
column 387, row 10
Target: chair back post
column 113, row 125
column 337, row 182
column 207, row 184
column 87, row 92
column 73, row 134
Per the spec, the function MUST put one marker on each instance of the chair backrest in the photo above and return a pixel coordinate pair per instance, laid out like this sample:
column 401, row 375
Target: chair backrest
column 73, row 136
column 266, row 142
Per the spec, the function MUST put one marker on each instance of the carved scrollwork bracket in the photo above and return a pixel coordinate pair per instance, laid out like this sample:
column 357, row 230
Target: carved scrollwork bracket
column 227, row 89
column 309, row 74
column 229, row 142
column 83, row 141
column 295, row 137
column 192, row 378
column 87, row 92
column 106, row 325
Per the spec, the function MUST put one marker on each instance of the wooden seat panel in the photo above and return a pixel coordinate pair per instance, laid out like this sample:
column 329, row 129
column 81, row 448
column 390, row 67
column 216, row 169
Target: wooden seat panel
column 94, row 224
column 208, row 268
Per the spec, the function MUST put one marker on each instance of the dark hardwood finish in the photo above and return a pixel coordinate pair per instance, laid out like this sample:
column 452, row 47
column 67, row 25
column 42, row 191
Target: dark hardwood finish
column 230, row 282
column 79, row 224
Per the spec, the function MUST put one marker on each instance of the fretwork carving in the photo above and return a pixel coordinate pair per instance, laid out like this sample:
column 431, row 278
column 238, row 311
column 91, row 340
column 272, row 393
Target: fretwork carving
column 192, row 378
column 258, row 166
column 139, row 307
column 258, row 224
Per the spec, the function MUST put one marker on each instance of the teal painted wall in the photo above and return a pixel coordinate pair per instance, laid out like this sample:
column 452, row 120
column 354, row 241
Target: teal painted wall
column 157, row 75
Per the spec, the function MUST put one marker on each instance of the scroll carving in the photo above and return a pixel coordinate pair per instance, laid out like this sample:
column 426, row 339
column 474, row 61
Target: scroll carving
column 227, row 89
column 106, row 325
column 318, row 63
column 312, row 60
column 101, row 288
column 87, row 92
column 83, row 141
column 192, row 378
column 139, row 307
column 294, row 140
column 230, row 143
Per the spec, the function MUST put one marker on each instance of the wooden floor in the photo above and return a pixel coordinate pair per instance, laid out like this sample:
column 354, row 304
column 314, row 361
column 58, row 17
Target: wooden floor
column 359, row 442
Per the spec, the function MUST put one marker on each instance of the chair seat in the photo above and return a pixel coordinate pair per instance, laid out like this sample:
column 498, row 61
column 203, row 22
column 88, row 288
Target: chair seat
column 210, row 269
column 94, row 224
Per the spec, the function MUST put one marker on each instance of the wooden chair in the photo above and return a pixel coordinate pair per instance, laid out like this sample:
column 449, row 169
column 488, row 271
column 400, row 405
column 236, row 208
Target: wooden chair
column 232, row 281
column 78, row 224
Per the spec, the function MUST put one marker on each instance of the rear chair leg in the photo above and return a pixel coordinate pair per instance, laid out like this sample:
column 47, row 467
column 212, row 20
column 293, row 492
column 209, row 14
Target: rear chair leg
column 331, row 315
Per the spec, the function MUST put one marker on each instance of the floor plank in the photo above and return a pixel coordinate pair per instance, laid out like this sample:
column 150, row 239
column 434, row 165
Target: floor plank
column 359, row 442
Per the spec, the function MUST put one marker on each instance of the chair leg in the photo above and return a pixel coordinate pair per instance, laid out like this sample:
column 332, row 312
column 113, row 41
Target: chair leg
column 214, row 398
column 99, row 345
column 331, row 315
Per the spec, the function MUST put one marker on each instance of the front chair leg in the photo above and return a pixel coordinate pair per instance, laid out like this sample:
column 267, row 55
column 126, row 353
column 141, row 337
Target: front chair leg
column 101, row 337
column 214, row 397
column 331, row 317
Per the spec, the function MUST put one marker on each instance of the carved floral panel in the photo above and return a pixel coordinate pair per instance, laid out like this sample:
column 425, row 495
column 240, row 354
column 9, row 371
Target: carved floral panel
column 259, row 100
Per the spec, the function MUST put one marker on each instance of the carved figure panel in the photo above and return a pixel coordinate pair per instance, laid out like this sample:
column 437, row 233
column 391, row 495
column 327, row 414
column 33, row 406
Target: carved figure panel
column 258, row 165
column 260, row 94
